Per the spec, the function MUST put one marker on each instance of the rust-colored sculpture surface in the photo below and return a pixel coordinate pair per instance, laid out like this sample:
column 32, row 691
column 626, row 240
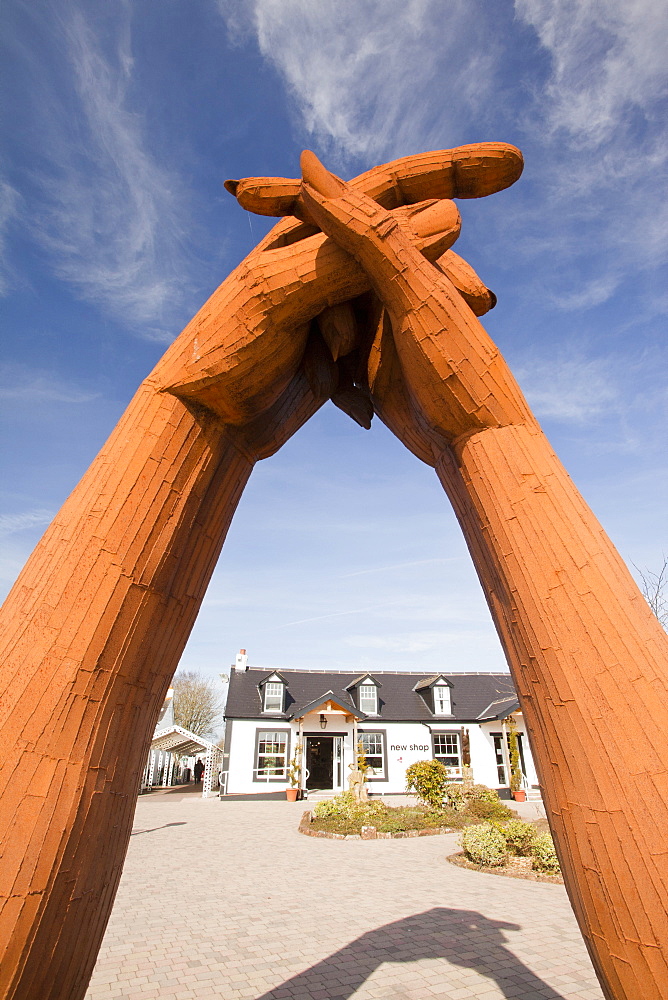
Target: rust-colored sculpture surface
column 361, row 301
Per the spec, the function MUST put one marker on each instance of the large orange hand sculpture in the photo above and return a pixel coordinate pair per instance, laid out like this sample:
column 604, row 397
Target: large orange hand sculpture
column 95, row 625
column 589, row 659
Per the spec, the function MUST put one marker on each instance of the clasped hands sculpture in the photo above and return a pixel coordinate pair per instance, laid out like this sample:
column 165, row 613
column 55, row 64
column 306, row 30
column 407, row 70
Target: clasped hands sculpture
column 357, row 298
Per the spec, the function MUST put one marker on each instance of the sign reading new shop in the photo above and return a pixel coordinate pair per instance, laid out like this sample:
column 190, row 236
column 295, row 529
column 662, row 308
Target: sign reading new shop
column 413, row 746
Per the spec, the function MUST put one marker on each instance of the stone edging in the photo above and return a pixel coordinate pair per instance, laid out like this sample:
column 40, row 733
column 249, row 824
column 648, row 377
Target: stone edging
column 368, row 832
column 461, row 861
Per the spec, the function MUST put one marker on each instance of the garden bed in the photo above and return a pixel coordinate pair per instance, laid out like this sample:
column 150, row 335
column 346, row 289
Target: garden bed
column 311, row 827
column 513, row 868
column 343, row 818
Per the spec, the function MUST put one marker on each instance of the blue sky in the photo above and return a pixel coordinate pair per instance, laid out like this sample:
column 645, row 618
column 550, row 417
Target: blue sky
column 120, row 123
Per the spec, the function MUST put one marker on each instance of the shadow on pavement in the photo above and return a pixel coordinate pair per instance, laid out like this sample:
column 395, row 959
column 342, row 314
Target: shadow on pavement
column 464, row 938
column 135, row 833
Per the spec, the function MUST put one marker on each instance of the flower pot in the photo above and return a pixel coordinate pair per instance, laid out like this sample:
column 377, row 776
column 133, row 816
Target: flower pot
column 291, row 794
column 520, row 795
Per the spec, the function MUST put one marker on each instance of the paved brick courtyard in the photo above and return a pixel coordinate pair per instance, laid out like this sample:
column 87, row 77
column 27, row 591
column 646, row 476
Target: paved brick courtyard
column 227, row 900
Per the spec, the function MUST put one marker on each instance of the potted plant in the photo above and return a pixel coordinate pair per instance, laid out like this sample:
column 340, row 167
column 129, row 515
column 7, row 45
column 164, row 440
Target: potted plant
column 516, row 789
column 294, row 774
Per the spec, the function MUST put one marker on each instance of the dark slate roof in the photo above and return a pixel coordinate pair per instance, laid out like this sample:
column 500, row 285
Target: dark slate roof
column 475, row 696
column 499, row 709
column 427, row 682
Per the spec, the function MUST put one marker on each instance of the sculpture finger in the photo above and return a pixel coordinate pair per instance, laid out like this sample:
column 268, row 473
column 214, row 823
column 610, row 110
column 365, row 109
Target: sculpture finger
column 320, row 368
column 338, row 327
column 391, row 400
column 472, row 171
column 478, row 297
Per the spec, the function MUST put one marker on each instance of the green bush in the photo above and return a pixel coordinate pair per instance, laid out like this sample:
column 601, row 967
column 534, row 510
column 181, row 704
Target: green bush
column 454, row 797
column 491, row 809
column 544, row 856
column 520, row 837
column 428, row 779
column 340, row 805
column 481, row 793
column 345, row 807
column 484, row 845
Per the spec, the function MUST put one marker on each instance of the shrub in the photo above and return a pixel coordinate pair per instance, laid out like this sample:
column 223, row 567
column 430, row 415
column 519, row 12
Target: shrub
column 346, row 807
column 455, row 797
column 428, row 779
column 340, row 805
column 520, row 837
column 514, row 754
column 484, row 845
column 491, row 809
column 481, row 793
column 544, row 855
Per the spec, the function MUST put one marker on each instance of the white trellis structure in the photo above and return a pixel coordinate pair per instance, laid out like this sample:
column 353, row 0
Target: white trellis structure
column 175, row 740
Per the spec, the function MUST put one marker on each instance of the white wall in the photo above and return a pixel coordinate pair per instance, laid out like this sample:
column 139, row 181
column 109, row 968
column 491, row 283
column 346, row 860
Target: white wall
column 406, row 743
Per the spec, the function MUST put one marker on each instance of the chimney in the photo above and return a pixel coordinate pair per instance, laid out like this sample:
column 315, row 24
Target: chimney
column 241, row 661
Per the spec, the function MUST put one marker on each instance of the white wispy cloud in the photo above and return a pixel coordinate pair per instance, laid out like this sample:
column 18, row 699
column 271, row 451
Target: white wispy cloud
column 362, row 73
column 394, row 566
column 416, row 642
column 10, row 524
column 374, row 79
column 9, row 210
column 573, row 389
column 109, row 215
column 608, row 59
column 28, row 385
column 599, row 115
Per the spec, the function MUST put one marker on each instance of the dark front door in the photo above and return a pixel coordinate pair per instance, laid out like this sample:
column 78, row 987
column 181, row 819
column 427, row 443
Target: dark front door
column 320, row 761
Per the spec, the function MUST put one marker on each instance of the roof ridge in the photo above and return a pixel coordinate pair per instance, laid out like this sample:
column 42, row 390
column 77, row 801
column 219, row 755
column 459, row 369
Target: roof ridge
column 398, row 673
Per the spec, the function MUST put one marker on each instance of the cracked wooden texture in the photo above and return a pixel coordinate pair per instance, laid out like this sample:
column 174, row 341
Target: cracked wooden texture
column 93, row 629
column 589, row 659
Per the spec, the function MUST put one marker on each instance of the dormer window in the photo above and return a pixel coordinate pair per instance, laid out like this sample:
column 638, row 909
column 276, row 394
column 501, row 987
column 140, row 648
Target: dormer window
column 273, row 697
column 442, row 702
column 436, row 693
column 272, row 693
column 368, row 699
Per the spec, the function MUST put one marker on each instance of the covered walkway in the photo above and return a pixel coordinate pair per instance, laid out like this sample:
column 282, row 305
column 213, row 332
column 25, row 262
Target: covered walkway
column 173, row 742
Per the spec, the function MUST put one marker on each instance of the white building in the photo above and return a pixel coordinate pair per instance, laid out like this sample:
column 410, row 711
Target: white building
column 398, row 717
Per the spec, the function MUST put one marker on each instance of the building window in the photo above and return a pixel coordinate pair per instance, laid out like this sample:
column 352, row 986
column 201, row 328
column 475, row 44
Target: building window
column 498, row 753
column 273, row 696
column 373, row 746
column 271, row 757
column 369, row 699
column 500, row 763
column 446, row 750
column 442, row 705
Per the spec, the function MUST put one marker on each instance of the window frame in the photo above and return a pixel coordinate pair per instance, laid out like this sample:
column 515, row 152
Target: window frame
column 442, row 687
column 497, row 743
column 265, row 688
column 374, row 688
column 458, row 737
column 383, row 738
column 256, row 756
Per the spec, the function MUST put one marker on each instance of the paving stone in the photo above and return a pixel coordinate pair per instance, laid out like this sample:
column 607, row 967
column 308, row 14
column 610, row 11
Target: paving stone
column 269, row 914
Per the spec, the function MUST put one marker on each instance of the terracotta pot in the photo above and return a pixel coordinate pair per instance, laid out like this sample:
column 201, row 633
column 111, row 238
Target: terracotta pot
column 520, row 795
column 291, row 794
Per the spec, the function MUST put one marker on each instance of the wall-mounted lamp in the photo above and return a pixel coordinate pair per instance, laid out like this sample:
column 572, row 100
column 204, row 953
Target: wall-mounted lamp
column 323, row 721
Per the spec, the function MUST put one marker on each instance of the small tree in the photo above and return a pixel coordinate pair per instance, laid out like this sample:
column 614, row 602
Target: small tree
column 655, row 590
column 362, row 765
column 428, row 778
column 295, row 769
column 514, row 753
column 197, row 703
